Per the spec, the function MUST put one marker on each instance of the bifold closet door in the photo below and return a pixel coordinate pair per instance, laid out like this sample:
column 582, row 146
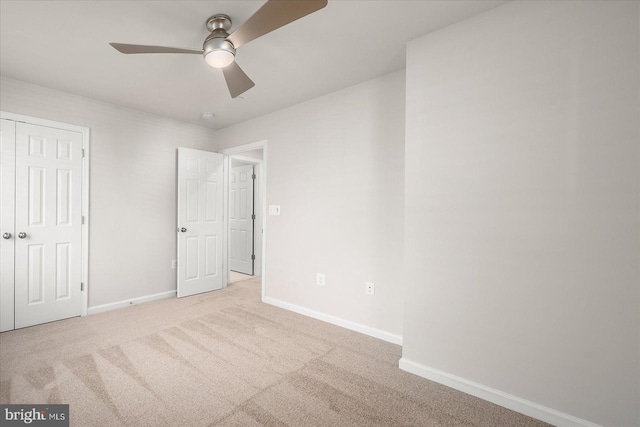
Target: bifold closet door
column 47, row 232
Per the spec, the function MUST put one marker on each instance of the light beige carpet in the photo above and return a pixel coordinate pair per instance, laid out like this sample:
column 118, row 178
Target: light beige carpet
column 235, row 276
column 224, row 358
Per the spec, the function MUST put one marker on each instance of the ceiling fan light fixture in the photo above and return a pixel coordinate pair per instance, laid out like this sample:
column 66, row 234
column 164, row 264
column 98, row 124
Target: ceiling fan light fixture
column 219, row 58
column 218, row 52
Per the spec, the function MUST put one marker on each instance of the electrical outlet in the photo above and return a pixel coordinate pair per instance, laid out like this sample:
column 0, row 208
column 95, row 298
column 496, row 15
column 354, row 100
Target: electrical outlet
column 320, row 279
column 174, row 264
column 370, row 288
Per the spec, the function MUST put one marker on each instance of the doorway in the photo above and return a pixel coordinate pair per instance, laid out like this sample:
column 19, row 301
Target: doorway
column 246, row 254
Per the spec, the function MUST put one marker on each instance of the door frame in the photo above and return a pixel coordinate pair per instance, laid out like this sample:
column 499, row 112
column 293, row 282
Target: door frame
column 262, row 177
column 86, row 145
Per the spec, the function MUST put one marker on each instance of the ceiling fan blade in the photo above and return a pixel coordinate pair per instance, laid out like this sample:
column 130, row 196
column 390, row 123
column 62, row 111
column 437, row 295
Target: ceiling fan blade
column 237, row 81
column 271, row 16
column 138, row 48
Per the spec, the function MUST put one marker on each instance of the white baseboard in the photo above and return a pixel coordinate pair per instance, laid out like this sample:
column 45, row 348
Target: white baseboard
column 498, row 397
column 363, row 329
column 127, row 303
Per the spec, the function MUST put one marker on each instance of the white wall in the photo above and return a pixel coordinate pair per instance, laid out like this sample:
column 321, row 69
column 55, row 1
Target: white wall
column 522, row 205
column 132, row 201
column 335, row 166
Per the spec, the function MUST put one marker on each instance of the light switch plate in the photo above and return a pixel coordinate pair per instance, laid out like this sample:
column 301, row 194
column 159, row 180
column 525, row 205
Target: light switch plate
column 274, row 209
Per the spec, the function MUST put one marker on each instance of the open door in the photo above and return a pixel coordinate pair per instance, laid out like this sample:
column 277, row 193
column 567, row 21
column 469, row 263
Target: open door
column 241, row 219
column 201, row 224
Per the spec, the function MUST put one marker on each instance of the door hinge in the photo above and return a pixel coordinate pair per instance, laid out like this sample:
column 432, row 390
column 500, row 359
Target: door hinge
column 253, row 216
column 81, row 286
column 253, row 257
column 253, row 176
column 82, row 219
column 83, row 152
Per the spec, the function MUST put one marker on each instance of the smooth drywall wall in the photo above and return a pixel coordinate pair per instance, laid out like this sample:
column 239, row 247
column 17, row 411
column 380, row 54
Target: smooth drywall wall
column 522, row 205
column 335, row 167
column 132, row 205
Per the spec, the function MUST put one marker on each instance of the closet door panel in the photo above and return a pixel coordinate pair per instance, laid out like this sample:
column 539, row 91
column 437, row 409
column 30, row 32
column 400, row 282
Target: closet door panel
column 7, row 222
column 48, row 221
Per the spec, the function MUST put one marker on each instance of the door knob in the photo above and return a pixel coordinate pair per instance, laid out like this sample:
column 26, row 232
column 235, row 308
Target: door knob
column 22, row 234
column 6, row 236
column 183, row 230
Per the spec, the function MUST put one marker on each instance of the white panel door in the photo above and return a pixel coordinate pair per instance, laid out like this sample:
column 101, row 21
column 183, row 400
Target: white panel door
column 48, row 224
column 200, row 221
column 7, row 222
column 241, row 219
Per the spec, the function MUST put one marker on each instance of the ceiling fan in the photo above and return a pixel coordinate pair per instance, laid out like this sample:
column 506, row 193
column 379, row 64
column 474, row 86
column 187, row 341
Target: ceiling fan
column 219, row 48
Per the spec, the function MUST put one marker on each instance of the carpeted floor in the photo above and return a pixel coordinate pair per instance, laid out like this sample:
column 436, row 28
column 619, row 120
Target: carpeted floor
column 235, row 276
column 224, row 358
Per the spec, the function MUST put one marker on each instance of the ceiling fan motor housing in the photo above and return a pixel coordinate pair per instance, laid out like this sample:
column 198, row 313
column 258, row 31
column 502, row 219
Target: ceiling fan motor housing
column 214, row 42
column 217, row 50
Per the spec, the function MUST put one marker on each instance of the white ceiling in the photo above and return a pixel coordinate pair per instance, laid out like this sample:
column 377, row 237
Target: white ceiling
column 64, row 45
